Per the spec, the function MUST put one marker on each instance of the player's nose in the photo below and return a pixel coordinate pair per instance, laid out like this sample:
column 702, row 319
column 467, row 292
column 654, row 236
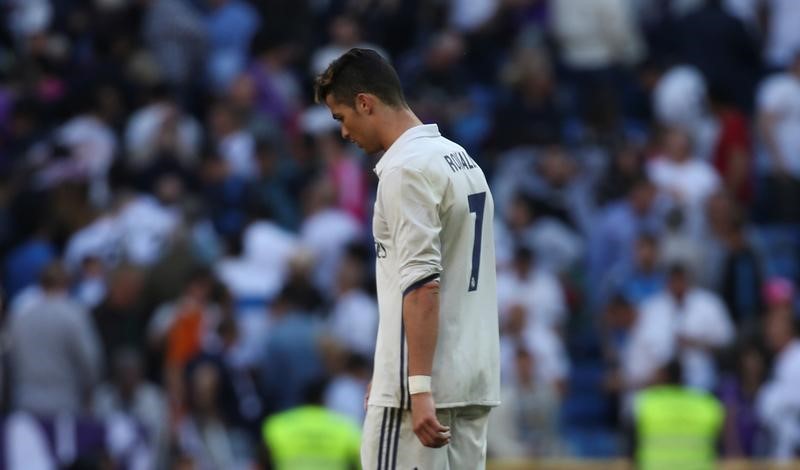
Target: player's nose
column 345, row 134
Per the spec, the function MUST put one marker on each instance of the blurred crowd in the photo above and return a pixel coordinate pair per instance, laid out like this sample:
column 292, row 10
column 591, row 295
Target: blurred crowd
column 186, row 243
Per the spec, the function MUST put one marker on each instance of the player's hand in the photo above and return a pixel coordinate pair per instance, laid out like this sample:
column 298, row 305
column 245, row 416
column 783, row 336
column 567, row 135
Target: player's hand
column 427, row 427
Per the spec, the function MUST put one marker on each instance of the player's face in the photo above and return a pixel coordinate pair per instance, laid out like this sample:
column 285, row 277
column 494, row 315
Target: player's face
column 357, row 127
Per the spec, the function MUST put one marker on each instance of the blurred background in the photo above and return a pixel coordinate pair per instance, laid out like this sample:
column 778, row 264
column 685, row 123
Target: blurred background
column 186, row 245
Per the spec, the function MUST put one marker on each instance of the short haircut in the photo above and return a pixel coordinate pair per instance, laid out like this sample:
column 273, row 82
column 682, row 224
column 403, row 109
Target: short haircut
column 360, row 71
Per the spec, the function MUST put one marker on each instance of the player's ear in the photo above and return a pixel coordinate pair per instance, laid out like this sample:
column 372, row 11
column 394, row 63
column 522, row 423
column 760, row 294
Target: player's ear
column 365, row 103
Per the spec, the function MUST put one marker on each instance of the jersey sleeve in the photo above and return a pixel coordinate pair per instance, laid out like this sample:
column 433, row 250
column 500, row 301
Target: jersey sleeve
column 411, row 207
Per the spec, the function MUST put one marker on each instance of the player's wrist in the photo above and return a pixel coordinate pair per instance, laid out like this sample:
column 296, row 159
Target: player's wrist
column 418, row 384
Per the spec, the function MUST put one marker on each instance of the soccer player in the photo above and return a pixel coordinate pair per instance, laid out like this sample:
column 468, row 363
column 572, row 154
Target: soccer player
column 436, row 372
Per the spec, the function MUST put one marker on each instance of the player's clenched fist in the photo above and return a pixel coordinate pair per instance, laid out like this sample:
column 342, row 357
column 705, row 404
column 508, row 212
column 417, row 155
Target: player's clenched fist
column 425, row 424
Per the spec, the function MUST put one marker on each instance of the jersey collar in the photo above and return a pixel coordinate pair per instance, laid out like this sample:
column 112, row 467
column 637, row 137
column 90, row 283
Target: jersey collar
column 423, row 130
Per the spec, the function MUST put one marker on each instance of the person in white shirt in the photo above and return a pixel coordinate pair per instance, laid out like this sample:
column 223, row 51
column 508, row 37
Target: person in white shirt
column 146, row 126
column 680, row 99
column 233, row 142
column 533, row 287
column 326, row 232
column 685, row 322
column 526, row 424
column 345, row 391
column 778, row 400
column 353, row 319
column 687, row 179
column 595, row 34
column 437, row 354
column 546, row 347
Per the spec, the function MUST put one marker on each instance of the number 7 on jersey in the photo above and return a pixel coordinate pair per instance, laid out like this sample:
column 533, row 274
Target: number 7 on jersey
column 477, row 203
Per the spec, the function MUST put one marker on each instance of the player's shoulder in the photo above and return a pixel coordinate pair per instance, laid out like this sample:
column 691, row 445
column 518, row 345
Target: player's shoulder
column 424, row 160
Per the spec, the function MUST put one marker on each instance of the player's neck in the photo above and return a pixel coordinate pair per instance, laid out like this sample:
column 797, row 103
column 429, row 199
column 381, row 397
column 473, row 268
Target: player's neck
column 396, row 122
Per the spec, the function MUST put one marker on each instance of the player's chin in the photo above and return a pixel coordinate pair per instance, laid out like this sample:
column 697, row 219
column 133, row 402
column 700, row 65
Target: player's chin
column 370, row 149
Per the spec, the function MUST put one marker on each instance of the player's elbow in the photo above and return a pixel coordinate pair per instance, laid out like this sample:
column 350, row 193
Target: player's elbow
column 415, row 276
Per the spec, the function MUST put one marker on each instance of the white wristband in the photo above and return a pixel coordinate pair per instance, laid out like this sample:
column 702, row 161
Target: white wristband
column 419, row 384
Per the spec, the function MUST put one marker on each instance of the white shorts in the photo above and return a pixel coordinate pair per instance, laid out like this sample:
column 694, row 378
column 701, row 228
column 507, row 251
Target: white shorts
column 389, row 442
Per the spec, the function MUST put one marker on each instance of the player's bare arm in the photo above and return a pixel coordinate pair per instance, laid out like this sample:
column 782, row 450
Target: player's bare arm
column 421, row 318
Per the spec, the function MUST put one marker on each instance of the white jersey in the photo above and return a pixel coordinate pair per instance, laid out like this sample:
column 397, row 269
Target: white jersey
column 434, row 219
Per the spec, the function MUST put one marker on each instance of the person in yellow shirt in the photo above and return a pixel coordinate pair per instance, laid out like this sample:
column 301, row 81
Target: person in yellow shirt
column 310, row 437
column 676, row 426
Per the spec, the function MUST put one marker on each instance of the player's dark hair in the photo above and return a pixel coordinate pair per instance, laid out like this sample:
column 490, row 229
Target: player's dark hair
column 360, row 71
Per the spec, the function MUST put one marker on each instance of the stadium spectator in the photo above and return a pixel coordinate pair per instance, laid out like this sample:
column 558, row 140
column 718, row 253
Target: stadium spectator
column 345, row 171
column 526, row 424
column 310, row 433
column 741, row 277
column 55, row 354
column 528, row 112
column 176, row 37
column 551, row 363
column 180, row 329
column 353, row 318
column 595, row 51
column 272, row 188
column 676, row 425
column 24, row 264
column 733, row 155
column 678, row 172
column 643, row 278
column 778, row 121
column 128, row 395
column 618, row 226
column 777, row 403
column 231, row 26
column 683, row 322
column 533, row 287
column 782, row 40
column 326, row 232
column 233, row 143
column 779, row 296
column 158, row 124
column 738, row 389
column 121, row 316
column 291, row 357
column 344, row 33
column 203, row 435
column 717, row 43
column 347, row 388
column 680, row 99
